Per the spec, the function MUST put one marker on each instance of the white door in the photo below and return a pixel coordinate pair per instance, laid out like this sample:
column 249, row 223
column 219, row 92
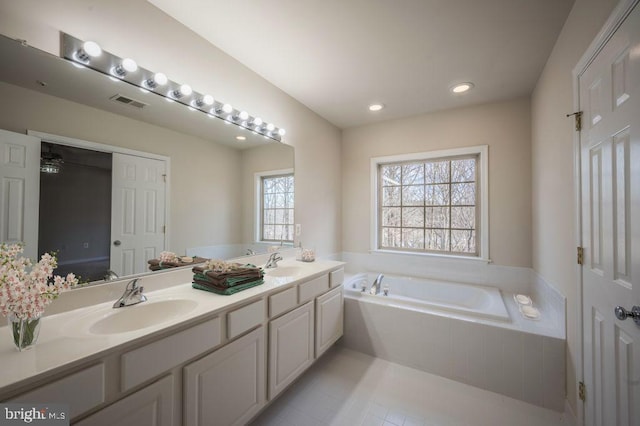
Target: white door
column 610, row 189
column 137, row 212
column 329, row 319
column 150, row 406
column 291, row 346
column 20, row 192
column 227, row 387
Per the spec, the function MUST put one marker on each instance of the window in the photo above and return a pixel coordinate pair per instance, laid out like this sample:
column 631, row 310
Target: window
column 432, row 202
column 276, row 207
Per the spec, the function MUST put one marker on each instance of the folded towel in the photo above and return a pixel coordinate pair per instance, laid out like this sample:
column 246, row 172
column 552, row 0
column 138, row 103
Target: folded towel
column 235, row 270
column 156, row 264
column 230, row 277
column 226, row 282
column 226, row 291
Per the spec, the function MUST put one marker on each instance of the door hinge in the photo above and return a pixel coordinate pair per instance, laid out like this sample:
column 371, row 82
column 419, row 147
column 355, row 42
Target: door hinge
column 582, row 391
column 164, row 229
column 580, row 255
column 578, row 119
column 164, row 178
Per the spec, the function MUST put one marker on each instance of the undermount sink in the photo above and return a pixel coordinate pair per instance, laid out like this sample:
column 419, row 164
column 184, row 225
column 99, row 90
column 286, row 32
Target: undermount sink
column 283, row 271
column 142, row 315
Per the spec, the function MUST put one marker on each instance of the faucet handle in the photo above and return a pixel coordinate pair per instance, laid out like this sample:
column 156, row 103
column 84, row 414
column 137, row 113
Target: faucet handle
column 133, row 285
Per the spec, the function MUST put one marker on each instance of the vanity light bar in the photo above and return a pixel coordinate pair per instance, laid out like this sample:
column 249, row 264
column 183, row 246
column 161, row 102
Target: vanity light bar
column 75, row 50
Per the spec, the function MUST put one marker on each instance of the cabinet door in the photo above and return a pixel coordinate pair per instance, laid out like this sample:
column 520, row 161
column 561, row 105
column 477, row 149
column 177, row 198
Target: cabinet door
column 329, row 319
column 150, row 406
column 226, row 387
column 290, row 347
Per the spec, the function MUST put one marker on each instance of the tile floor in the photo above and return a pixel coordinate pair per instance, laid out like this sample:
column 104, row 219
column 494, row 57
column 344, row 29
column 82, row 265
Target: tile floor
column 350, row 388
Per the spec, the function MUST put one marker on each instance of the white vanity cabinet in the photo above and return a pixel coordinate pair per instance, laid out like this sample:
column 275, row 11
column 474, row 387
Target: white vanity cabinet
column 219, row 369
column 150, row 406
column 291, row 345
column 329, row 319
column 226, row 387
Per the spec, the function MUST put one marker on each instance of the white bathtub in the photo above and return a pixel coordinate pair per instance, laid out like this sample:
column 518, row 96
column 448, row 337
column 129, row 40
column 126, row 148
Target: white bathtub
column 420, row 293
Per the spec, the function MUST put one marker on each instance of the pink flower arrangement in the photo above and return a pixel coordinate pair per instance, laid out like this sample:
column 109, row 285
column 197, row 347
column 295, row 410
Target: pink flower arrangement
column 27, row 288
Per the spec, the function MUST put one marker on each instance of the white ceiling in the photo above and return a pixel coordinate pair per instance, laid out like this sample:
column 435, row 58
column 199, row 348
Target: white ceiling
column 339, row 56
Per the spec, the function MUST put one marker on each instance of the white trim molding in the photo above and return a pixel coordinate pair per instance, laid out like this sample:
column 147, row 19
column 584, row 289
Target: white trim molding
column 483, row 161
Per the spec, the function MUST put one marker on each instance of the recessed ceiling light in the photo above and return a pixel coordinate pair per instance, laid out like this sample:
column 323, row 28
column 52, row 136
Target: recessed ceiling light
column 375, row 107
column 462, row 87
column 241, row 138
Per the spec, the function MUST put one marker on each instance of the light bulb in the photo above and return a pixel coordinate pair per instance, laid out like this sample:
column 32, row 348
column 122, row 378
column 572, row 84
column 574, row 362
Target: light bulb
column 462, row 87
column 92, row 49
column 375, row 107
column 129, row 65
column 160, row 79
column 186, row 90
column 207, row 99
column 227, row 108
column 257, row 121
column 244, row 115
column 271, row 127
column 282, row 132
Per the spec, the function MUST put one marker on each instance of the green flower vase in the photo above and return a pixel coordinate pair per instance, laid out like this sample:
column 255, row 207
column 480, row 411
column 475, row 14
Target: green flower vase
column 24, row 331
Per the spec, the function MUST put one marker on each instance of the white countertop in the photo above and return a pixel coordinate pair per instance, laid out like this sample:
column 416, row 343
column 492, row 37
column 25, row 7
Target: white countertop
column 65, row 341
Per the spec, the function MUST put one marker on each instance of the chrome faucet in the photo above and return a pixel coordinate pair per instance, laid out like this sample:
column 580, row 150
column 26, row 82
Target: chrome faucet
column 132, row 295
column 375, row 287
column 273, row 260
column 110, row 276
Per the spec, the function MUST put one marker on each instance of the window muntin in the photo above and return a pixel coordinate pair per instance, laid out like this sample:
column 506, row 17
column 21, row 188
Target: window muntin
column 276, row 208
column 429, row 205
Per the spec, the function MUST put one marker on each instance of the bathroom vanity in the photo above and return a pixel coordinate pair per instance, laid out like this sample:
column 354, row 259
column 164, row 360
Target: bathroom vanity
column 183, row 357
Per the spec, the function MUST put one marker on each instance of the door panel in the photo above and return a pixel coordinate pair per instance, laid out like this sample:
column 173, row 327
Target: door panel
column 19, row 190
column 138, row 212
column 610, row 192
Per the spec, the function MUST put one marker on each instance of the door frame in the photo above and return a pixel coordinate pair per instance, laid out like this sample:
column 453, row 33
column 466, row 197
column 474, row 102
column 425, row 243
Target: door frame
column 617, row 16
column 95, row 146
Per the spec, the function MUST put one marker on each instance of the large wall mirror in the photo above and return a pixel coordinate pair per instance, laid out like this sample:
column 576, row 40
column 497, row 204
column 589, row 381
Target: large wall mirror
column 229, row 192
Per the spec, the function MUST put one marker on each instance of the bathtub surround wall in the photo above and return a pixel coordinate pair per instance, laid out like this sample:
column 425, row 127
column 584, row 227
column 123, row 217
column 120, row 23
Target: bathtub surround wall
column 521, row 359
column 554, row 213
column 135, row 28
column 503, row 126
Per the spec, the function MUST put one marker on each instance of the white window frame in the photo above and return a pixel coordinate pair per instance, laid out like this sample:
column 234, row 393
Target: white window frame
column 482, row 233
column 257, row 179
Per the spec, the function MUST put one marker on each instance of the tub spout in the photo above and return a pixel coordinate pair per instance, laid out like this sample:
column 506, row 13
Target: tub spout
column 375, row 287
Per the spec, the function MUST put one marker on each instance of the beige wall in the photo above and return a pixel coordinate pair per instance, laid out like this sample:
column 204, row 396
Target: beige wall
column 554, row 214
column 504, row 126
column 137, row 29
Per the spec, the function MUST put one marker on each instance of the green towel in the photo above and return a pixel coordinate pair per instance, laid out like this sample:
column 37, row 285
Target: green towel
column 229, row 291
column 227, row 282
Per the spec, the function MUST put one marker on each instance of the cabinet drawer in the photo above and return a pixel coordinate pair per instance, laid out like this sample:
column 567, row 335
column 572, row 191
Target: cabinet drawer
column 336, row 277
column 282, row 302
column 310, row 289
column 245, row 318
column 142, row 364
column 81, row 391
